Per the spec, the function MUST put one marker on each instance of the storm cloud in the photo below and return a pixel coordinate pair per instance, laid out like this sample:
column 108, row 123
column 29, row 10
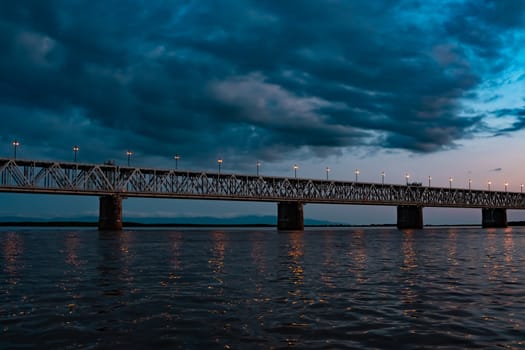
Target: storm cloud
column 252, row 79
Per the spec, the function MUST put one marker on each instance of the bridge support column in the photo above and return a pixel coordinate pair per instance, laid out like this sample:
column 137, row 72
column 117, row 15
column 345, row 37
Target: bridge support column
column 409, row 216
column 110, row 213
column 494, row 217
column 290, row 216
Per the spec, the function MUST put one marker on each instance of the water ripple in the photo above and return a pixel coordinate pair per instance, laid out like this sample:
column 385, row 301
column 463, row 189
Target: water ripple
column 258, row 289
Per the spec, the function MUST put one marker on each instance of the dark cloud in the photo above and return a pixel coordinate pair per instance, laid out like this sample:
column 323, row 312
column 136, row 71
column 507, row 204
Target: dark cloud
column 262, row 79
column 517, row 115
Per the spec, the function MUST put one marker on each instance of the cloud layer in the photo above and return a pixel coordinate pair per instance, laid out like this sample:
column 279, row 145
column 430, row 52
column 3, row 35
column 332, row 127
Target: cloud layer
column 253, row 79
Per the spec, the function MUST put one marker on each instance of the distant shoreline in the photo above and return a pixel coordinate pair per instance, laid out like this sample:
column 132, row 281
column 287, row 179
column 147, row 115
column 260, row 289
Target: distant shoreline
column 139, row 224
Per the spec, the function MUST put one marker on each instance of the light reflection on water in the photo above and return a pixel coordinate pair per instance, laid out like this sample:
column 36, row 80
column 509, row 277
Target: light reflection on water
column 257, row 288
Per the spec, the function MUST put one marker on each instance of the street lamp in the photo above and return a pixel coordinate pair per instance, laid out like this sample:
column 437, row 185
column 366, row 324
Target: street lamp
column 488, row 184
column 129, row 154
column 521, row 188
column 469, row 184
column 327, row 171
column 295, row 167
column 450, row 182
column 177, row 157
column 258, row 164
column 219, row 161
column 407, row 176
column 506, row 185
column 75, row 151
column 382, row 178
column 429, row 180
column 15, row 146
column 356, row 174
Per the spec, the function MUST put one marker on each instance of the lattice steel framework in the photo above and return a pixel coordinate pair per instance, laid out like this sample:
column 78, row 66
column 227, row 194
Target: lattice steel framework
column 32, row 176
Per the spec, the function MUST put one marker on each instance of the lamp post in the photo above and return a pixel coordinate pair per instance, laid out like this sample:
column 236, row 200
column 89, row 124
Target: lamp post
column 295, row 167
column 506, row 185
column 450, row 182
column 258, row 165
column 75, row 151
column 129, row 154
column 488, row 184
column 356, row 174
column 327, row 171
column 521, row 186
column 429, row 180
column 382, row 178
column 407, row 176
column 469, row 184
column 15, row 146
column 177, row 157
column 219, row 162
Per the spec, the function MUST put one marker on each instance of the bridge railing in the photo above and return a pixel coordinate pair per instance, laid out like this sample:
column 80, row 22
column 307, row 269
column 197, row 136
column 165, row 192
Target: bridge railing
column 108, row 179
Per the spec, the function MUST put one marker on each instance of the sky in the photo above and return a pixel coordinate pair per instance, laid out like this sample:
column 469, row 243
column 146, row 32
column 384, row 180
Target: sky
column 429, row 88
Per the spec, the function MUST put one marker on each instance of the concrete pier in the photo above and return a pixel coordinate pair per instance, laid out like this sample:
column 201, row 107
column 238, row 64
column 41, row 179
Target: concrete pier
column 494, row 217
column 290, row 216
column 110, row 213
column 409, row 216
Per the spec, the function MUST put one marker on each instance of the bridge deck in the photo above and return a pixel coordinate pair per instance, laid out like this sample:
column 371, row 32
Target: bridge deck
column 33, row 176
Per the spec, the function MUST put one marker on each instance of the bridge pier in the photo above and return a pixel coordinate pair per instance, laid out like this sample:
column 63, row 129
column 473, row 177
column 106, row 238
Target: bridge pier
column 110, row 213
column 494, row 217
column 409, row 216
column 290, row 216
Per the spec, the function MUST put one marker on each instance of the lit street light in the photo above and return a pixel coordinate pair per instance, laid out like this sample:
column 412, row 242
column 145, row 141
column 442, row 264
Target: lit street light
column 327, row 171
column 177, row 157
column 356, row 174
column 469, row 184
column 429, row 180
column 258, row 164
column 295, row 167
column 407, row 176
column 488, row 184
column 15, row 146
column 521, row 188
column 450, row 182
column 382, row 178
column 75, row 151
column 219, row 161
column 129, row 154
column 506, row 185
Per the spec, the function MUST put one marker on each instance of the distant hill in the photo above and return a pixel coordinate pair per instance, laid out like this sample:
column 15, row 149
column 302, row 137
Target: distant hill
column 202, row 220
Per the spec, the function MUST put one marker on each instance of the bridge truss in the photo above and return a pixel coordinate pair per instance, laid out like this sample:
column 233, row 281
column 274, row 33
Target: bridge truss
column 30, row 176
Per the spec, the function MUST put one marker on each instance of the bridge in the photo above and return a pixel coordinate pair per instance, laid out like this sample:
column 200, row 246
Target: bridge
column 113, row 183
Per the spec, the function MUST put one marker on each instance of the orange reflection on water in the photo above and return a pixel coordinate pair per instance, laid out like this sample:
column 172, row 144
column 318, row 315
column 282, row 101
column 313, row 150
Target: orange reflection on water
column 176, row 240
column 358, row 256
column 328, row 261
column 491, row 265
column 508, row 245
column 216, row 262
column 452, row 260
column 257, row 252
column 176, row 243
column 12, row 249
column 409, row 253
column 71, row 250
column 409, row 296
column 452, row 247
column 508, row 256
column 295, row 252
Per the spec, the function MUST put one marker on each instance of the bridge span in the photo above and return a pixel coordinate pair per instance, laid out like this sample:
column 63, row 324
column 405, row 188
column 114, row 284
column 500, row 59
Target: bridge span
column 113, row 183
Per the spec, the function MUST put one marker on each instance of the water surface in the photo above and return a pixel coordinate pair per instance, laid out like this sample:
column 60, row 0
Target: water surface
column 345, row 288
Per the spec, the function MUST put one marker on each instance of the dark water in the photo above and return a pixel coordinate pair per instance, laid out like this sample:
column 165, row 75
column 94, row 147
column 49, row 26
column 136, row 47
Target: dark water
column 448, row 288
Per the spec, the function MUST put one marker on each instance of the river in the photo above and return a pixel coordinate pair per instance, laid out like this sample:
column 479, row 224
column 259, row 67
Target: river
column 249, row 288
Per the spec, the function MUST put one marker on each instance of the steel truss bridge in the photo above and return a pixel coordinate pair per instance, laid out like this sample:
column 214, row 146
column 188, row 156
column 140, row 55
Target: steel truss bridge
column 68, row 178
